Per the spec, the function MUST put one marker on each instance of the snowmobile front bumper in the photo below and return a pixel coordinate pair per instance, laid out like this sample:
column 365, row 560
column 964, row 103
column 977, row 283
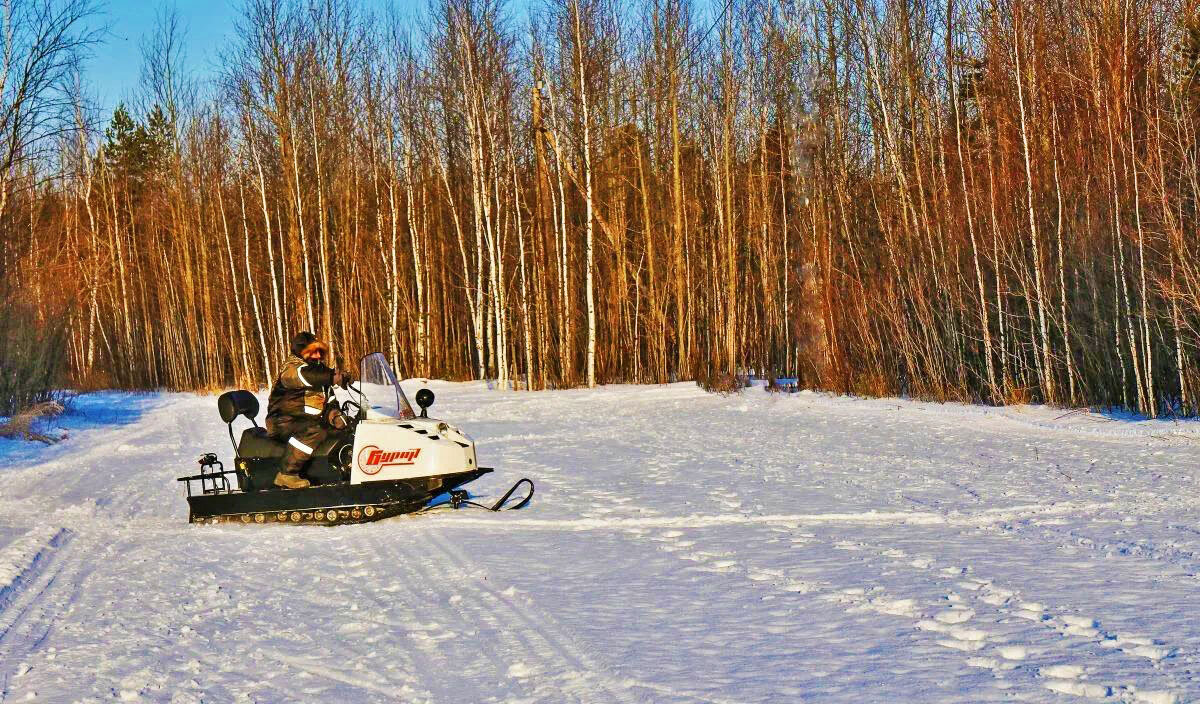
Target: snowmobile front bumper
column 327, row 504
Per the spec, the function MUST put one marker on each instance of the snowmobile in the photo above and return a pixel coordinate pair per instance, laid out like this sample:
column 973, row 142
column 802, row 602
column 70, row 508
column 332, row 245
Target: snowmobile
column 387, row 460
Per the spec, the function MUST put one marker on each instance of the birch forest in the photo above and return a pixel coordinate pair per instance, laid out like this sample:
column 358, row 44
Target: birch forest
column 991, row 201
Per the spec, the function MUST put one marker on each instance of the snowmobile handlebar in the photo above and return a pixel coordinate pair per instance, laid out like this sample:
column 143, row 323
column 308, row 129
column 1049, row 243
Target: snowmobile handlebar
column 351, row 409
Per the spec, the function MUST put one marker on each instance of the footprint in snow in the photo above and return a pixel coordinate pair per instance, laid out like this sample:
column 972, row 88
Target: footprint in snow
column 519, row 670
column 1080, row 626
column 763, row 575
column 958, row 633
column 1079, row 689
column 723, row 566
column 1079, row 621
column 994, row 599
column 895, row 607
column 1030, row 614
column 968, row 634
column 1013, row 652
column 963, row 645
column 987, row 663
column 1140, row 647
column 1062, row 672
column 955, row 616
column 1146, row 696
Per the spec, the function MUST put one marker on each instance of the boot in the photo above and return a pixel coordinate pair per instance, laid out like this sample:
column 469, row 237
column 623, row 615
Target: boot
column 291, row 481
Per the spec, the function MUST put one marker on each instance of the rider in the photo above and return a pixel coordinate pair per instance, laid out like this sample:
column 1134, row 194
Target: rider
column 296, row 404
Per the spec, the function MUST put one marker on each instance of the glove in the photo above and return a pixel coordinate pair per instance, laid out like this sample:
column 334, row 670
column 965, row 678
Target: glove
column 336, row 419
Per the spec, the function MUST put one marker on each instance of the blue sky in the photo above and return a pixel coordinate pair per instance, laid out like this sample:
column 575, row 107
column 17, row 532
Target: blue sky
column 115, row 68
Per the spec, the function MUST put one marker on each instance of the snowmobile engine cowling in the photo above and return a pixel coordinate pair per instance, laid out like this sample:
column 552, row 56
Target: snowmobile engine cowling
column 387, row 449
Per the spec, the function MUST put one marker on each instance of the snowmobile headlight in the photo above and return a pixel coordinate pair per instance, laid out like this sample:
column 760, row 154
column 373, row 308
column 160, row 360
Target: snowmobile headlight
column 443, row 427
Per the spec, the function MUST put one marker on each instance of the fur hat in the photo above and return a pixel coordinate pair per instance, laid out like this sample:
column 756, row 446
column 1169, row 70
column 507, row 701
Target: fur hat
column 306, row 342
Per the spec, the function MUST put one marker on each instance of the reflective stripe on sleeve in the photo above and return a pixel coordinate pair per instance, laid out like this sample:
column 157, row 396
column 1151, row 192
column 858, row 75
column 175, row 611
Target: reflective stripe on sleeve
column 299, row 445
column 301, row 376
column 312, row 411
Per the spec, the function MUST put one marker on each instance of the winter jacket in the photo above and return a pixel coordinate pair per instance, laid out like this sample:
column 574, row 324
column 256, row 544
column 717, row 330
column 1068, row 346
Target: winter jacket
column 300, row 389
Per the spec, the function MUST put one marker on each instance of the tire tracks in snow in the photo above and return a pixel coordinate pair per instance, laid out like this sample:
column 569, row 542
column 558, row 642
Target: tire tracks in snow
column 27, row 611
column 66, row 536
column 547, row 629
column 402, row 565
column 46, row 480
column 67, row 674
column 559, row 641
column 545, row 655
column 979, row 518
column 404, row 692
column 47, row 488
column 554, row 664
column 377, row 681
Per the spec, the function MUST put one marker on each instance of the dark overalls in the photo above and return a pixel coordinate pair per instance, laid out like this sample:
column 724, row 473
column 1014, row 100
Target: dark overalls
column 294, row 410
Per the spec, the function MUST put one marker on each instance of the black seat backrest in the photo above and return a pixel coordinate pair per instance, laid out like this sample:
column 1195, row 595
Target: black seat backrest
column 232, row 404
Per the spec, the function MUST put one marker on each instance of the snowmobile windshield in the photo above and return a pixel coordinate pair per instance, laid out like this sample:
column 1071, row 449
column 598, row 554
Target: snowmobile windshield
column 383, row 394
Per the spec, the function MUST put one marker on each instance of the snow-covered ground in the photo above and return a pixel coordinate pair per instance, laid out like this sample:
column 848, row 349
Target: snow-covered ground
column 682, row 547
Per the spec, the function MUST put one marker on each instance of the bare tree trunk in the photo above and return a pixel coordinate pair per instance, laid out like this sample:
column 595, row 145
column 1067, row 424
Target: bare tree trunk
column 237, row 296
column 1045, row 362
column 322, row 257
column 258, row 323
column 280, row 339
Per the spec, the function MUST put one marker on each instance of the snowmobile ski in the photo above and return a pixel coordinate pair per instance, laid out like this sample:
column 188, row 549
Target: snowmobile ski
column 460, row 497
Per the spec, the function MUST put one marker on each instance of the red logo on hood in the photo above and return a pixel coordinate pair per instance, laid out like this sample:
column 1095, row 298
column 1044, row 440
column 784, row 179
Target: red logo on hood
column 371, row 459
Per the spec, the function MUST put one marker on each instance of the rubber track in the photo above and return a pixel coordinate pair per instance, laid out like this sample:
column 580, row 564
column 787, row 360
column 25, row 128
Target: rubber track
column 329, row 516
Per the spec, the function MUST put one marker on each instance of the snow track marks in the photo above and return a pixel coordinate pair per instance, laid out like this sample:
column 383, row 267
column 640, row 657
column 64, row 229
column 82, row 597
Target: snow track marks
column 30, row 568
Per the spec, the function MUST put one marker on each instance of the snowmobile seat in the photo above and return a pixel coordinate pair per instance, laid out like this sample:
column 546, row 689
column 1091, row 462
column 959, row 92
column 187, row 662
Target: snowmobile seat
column 256, row 443
column 232, row 404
